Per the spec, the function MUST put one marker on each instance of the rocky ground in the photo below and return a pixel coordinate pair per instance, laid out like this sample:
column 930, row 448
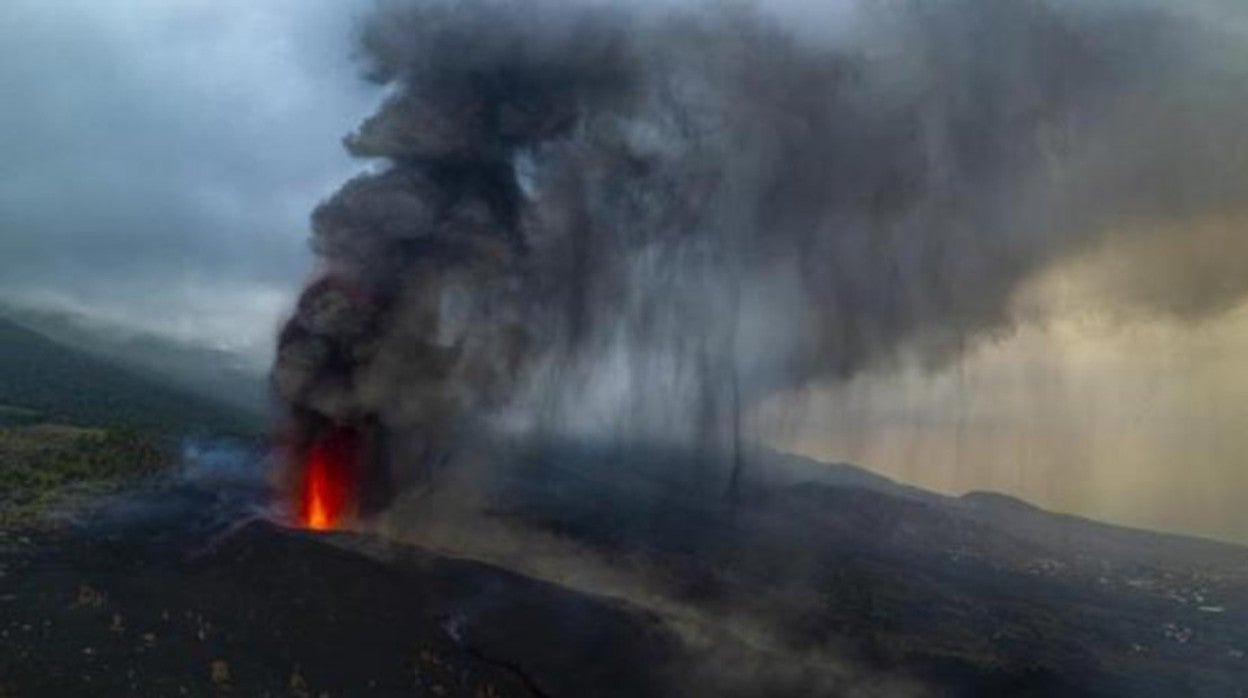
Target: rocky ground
column 176, row 587
column 266, row 611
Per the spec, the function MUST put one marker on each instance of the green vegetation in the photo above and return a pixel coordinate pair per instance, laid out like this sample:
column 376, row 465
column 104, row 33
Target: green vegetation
column 42, row 380
column 73, row 424
column 45, row 464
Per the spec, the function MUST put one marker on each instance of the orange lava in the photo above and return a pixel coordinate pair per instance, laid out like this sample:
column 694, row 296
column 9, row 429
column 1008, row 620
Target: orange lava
column 330, row 481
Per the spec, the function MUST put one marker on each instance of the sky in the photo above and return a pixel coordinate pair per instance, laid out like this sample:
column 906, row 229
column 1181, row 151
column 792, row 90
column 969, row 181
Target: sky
column 160, row 160
column 1137, row 420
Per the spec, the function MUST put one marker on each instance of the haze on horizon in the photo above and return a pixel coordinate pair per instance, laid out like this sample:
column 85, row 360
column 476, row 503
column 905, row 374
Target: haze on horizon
column 143, row 186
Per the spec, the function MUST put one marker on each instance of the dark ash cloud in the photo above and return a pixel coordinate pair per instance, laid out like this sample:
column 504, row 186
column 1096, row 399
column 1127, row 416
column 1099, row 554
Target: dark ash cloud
column 696, row 207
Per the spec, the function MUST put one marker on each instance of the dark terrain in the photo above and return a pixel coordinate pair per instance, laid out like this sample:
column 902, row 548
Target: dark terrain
column 978, row 595
column 133, row 563
column 843, row 590
column 269, row 611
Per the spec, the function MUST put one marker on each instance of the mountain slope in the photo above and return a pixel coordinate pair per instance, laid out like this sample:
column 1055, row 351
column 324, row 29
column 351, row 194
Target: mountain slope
column 67, row 385
column 217, row 375
column 965, row 591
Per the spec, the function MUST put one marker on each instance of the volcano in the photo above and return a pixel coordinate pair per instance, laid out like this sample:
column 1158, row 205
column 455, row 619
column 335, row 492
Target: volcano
column 825, row 581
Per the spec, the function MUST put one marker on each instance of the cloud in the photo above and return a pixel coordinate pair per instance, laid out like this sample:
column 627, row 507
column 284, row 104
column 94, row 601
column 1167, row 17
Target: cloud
column 151, row 146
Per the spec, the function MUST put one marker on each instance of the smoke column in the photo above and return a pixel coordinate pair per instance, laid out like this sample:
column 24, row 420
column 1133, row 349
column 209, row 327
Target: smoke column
column 650, row 219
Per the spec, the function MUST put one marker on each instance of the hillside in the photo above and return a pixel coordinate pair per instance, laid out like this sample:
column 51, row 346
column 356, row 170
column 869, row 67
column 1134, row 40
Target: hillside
column 220, row 376
column 589, row 575
column 43, row 380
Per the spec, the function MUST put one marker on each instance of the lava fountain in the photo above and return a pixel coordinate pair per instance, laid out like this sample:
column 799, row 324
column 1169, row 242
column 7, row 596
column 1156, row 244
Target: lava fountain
column 329, row 492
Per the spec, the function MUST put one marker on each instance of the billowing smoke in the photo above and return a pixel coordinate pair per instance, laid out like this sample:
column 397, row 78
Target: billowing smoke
column 652, row 218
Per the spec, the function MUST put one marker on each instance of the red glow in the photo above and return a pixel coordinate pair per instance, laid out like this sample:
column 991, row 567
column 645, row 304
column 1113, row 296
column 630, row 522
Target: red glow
column 330, row 480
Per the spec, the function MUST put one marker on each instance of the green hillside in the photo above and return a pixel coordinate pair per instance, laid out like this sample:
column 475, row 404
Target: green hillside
column 42, row 380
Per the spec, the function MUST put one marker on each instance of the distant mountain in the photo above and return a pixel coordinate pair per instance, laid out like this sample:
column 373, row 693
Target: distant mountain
column 219, row 375
column 986, row 592
column 1021, row 521
column 793, row 469
column 41, row 378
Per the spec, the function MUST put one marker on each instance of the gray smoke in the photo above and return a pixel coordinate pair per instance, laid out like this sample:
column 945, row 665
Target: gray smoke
column 658, row 216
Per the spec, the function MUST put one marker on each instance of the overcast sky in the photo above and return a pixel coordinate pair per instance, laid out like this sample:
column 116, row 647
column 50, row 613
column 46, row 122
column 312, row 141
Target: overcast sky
column 160, row 158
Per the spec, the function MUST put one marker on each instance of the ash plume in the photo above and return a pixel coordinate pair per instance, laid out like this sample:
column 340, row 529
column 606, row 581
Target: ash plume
column 654, row 217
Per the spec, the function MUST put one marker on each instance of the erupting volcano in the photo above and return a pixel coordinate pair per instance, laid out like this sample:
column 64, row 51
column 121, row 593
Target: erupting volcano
column 600, row 269
column 656, row 226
